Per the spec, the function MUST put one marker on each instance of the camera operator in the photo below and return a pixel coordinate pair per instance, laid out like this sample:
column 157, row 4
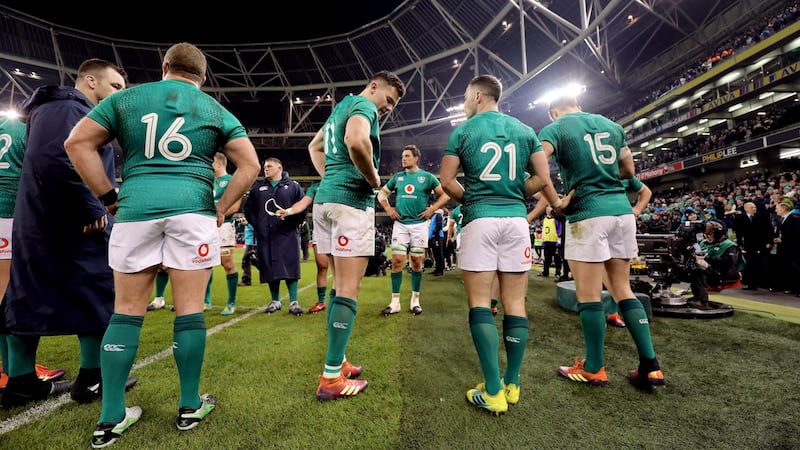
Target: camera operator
column 716, row 264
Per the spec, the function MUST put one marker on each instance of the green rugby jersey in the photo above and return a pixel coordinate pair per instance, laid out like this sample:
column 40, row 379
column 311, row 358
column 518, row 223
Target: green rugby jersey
column 342, row 182
column 412, row 193
column 220, row 184
column 169, row 131
column 312, row 190
column 494, row 149
column 632, row 184
column 12, row 151
column 455, row 215
column 586, row 150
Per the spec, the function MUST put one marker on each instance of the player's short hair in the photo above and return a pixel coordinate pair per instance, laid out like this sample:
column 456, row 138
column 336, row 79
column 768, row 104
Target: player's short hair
column 563, row 101
column 489, row 85
column 273, row 159
column 96, row 67
column 188, row 59
column 413, row 149
column 391, row 79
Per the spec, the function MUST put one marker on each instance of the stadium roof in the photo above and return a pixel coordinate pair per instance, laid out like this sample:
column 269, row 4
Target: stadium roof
column 282, row 91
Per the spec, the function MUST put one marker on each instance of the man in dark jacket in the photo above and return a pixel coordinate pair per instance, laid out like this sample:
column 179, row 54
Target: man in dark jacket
column 60, row 282
column 754, row 236
column 278, row 238
column 787, row 240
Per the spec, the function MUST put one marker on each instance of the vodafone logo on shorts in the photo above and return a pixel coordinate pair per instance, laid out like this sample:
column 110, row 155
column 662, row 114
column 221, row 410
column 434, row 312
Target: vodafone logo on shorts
column 4, row 243
column 342, row 243
column 526, row 256
column 202, row 254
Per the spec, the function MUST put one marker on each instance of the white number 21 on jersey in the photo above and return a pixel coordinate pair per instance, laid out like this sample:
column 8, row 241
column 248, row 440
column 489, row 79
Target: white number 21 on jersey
column 487, row 174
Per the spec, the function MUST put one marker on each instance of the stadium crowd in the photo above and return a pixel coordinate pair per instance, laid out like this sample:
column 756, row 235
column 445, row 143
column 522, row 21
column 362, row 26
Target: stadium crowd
column 748, row 37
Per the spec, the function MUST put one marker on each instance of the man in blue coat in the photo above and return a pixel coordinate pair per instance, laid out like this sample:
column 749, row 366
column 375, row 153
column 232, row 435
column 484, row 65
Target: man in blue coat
column 60, row 281
column 278, row 251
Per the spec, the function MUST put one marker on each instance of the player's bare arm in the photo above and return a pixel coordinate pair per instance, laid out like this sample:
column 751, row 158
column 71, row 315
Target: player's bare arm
column 81, row 146
column 243, row 155
column 316, row 150
column 359, row 146
column 447, row 177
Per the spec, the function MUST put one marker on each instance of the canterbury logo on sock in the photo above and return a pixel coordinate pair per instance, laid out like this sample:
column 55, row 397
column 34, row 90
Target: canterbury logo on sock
column 340, row 325
column 114, row 347
column 512, row 339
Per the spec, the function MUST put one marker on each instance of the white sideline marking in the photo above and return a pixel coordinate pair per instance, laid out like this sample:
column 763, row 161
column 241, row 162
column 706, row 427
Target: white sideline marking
column 49, row 406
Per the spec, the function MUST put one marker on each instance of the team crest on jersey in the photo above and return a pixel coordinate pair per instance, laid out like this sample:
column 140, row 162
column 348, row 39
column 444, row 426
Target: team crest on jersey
column 420, row 179
column 409, row 188
column 223, row 183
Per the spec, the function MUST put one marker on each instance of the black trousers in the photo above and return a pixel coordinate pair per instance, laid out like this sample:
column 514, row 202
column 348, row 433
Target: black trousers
column 551, row 257
column 449, row 252
column 248, row 259
column 436, row 245
column 755, row 270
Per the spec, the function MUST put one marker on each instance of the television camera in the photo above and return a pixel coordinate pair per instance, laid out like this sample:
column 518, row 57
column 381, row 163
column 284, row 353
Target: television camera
column 670, row 258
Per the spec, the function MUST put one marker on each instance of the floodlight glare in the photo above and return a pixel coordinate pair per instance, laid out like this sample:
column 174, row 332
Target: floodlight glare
column 572, row 89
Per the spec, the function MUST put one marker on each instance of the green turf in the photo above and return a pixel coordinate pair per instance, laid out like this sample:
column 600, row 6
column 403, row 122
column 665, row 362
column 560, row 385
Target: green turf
column 730, row 381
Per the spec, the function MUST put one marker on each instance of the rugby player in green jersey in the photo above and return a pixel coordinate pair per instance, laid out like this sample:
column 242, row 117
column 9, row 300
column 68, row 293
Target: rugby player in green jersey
column 169, row 131
column 346, row 154
column 495, row 151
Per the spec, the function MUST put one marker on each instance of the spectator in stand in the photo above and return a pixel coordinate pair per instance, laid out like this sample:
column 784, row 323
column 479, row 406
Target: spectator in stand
column 754, row 235
column 657, row 225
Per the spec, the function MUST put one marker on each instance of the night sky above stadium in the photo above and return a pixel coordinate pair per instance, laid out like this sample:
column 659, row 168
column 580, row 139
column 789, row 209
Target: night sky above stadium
column 222, row 23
